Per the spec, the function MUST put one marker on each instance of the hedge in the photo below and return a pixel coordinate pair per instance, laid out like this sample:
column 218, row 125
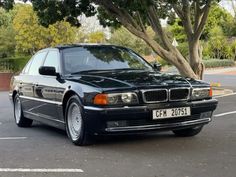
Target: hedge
column 13, row 64
column 214, row 63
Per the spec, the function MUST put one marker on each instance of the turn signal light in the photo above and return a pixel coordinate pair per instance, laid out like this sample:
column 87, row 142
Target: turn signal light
column 210, row 92
column 101, row 99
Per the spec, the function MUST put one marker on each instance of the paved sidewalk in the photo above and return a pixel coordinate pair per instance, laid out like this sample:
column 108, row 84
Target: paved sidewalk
column 221, row 71
column 208, row 71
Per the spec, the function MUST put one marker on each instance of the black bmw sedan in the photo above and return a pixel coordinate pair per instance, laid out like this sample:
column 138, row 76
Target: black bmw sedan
column 93, row 90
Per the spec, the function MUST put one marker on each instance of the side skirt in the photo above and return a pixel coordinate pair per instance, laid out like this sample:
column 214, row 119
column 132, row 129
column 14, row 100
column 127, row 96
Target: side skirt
column 45, row 119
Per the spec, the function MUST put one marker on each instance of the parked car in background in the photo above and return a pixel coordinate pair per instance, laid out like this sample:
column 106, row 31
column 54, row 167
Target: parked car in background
column 107, row 90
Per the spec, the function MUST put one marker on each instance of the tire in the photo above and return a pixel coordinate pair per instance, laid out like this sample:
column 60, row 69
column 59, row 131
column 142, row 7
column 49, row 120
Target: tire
column 75, row 125
column 20, row 120
column 188, row 132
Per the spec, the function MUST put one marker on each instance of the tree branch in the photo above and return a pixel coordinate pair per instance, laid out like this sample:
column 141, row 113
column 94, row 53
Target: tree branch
column 125, row 20
column 120, row 14
column 184, row 15
column 233, row 6
column 177, row 10
column 140, row 22
column 156, row 25
column 205, row 11
column 186, row 19
column 118, row 11
column 198, row 14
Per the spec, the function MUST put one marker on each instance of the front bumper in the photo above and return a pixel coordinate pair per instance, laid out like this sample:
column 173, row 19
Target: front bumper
column 159, row 126
column 133, row 119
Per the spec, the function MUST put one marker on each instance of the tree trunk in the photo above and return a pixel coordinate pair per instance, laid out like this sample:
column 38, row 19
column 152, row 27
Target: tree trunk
column 194, row 69
column 175, row 58
column 195, row 58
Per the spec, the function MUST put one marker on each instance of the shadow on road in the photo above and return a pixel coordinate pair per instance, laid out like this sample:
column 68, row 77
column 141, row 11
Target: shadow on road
column 103, row 140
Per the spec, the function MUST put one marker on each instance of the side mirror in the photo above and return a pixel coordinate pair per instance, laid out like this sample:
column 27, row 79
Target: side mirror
column 47, row 71
column 157, row 66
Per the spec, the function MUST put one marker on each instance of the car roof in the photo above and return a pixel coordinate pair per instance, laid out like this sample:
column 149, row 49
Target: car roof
column 85, row 45
column 65, row 46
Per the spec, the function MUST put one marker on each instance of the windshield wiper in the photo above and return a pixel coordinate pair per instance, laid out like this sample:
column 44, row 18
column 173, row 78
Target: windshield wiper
column 89, row 71
column 125, row 69
column 130, row 69
column 99, row 71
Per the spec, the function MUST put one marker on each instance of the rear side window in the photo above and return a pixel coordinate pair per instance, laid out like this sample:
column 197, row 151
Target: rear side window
column 36, row 63
column 52, row 59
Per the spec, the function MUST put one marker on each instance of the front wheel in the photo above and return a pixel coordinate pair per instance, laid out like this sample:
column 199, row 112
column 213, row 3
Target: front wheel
column 75, row 125
column 20, row 120
column 188, row 132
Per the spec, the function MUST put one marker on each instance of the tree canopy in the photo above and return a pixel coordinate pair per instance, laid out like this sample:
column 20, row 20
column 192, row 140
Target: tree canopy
column 31, row 36
column 123, row 37
column 6, row 4
column 218, row 16
column 136, row 16
column 50, row 11
column 7, row 33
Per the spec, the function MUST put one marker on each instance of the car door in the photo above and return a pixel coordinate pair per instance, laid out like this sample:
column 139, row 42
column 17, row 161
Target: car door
column 27, row 80
column 45, row 89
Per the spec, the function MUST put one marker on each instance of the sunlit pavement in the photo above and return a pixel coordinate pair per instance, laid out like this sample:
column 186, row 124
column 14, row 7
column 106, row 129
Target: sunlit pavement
column 39, row 149
column 225, row 76
column 222, row 71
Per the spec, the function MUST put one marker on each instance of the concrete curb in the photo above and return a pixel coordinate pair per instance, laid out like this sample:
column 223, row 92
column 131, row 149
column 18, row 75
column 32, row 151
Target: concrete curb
column 221, row 91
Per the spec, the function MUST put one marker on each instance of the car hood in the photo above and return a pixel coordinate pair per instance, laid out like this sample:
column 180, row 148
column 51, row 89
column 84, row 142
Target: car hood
column 133, row 79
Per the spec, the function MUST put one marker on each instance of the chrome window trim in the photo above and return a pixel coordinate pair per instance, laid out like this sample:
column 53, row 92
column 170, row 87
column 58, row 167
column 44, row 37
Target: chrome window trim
column 180, row 88
column 145, row 101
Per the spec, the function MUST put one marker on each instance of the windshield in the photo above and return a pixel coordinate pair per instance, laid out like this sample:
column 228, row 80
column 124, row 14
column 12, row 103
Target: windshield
column 101, row 58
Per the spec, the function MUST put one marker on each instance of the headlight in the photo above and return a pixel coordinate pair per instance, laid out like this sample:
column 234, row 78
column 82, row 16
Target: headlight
column 201, row 93
column 126, row 97
column 116, row 99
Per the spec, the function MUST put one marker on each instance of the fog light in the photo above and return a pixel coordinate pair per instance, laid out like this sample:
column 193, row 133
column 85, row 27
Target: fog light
column 206, row 114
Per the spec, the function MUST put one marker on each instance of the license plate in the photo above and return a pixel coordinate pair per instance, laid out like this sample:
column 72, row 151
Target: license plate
column 171, row 113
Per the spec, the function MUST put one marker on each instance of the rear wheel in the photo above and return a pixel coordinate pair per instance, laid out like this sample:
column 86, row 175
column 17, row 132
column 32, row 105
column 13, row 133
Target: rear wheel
column 20, row 120
column 188, row 132
column 75, row 125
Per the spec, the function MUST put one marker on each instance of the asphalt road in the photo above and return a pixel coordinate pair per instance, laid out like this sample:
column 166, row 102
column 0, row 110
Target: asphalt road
column 225, row 80
column 210, row 154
